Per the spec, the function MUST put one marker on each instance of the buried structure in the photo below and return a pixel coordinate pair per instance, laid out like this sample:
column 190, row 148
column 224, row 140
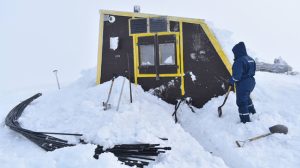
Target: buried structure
column 172, row 57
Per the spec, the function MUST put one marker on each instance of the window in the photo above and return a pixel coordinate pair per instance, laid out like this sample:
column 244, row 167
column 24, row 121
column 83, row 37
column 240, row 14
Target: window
column 147, row 55
column 138, row 25
column 167, row 54
column 157, row 54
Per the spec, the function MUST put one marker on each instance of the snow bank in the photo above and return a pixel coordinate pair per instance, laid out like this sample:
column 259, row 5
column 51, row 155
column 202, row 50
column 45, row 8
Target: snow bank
column 276, row 98
column 78, row 109
column 199, row 140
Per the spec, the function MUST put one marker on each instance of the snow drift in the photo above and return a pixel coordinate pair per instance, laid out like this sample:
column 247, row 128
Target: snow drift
column 200, row 139
column 78, row 109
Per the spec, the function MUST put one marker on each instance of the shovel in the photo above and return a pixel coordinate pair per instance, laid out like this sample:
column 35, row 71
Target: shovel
column 220, row 108
column 106, row 104
column 274, row 129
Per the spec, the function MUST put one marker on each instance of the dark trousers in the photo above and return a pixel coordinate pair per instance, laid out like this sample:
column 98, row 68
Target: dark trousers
column 244, row 102
column 245, row 105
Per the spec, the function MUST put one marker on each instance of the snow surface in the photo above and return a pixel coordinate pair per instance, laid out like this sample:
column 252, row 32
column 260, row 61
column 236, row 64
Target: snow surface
column 193, row 76
column 78, row 109
column 169, row 60
column 199, row 140
column 276, row 98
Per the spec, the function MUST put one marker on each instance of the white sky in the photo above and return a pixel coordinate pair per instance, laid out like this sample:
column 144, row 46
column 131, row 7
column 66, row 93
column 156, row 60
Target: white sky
column 37, row 36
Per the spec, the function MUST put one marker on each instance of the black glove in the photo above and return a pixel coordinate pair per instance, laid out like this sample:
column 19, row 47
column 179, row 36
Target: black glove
column 231, row 82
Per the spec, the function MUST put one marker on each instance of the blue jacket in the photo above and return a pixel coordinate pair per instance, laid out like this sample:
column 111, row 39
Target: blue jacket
column 243, row 69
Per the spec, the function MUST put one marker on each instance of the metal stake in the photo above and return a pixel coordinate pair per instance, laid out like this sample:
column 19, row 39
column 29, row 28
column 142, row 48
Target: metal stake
column 55, row 73
column 129, row 78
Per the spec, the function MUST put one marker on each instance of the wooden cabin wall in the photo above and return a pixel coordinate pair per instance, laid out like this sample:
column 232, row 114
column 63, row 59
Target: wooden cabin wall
column 114, row 62
column 202, row 60
column 167, row 88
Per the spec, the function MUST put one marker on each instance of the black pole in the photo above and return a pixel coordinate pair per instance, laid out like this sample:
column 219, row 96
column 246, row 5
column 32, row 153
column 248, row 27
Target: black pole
column 156, row 57
column 129, row 77
column 58, row 133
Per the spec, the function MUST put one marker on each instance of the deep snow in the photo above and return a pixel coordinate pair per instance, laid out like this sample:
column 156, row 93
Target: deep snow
column 78, row 109
column 276, row 98
column 199, row 140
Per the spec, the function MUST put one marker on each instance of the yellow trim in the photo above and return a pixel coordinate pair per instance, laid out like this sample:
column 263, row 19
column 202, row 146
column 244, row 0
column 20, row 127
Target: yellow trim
column 160, row 75
column 136, row 55
column 100, row 46
column 217, row 46
column 181, row 60
column 177, row 53
column 153, row 34
column 132, row 14
column 135, row 58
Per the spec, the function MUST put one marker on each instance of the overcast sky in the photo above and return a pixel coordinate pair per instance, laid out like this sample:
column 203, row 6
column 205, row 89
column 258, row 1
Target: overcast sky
column 38, row 36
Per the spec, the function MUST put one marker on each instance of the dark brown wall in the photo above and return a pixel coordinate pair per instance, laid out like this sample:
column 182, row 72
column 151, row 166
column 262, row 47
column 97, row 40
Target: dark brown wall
column 203, row 61
column 115, row 62
column 200, row 58
column 167, row 88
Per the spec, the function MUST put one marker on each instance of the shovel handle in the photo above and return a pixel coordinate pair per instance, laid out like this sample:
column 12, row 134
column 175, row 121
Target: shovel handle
column 229, row 89
column 258, row 137
column 220, row 107
column 242, row 143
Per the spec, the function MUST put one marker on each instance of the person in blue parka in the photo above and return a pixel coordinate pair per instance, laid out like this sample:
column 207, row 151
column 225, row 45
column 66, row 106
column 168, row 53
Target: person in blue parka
column 243, row 71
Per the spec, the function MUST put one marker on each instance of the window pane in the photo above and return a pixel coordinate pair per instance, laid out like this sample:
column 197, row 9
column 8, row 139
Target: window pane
column 167, row 54
column 147, row 54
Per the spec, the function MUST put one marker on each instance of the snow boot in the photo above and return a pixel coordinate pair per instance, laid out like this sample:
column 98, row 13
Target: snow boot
column 251, row 108
column 245, row 118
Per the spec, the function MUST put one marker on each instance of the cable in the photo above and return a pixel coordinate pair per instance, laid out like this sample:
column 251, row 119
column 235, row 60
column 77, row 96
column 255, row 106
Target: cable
column 47, row 142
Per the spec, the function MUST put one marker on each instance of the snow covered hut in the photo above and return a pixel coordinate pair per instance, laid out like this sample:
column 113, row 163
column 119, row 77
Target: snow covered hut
column 172, row 57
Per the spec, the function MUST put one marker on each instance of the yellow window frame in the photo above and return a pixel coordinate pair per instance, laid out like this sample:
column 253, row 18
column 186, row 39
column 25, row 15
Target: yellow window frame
column 136, row 55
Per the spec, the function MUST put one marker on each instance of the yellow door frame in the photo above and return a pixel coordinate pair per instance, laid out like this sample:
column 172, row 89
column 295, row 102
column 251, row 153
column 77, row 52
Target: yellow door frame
column 181, row 59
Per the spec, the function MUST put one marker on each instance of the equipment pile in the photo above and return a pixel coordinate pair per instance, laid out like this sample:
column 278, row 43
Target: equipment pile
column 137, row 155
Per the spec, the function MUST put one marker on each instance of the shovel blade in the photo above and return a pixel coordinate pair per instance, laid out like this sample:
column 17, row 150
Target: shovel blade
column 279, row 129
column 106, row 106
column 219, row 111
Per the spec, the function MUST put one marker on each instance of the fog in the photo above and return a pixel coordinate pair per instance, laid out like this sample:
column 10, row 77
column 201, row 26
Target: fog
column 38, row 36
